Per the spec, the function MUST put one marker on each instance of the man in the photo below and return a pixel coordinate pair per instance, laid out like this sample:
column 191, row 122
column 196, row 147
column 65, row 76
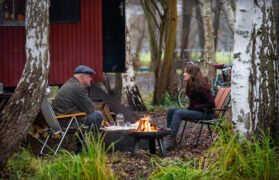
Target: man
column 73, row 98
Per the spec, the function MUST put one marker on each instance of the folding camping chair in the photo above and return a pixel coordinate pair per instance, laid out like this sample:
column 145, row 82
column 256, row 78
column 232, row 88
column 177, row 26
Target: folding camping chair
column 54, row 126
column 222, row 100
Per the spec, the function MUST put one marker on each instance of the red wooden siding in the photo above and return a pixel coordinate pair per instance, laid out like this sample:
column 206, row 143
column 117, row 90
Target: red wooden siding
column 71, row 44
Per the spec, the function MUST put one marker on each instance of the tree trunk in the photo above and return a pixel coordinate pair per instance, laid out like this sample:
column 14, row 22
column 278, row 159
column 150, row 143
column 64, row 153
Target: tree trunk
column 229, row 13
column 133, row 95
column 209, row 52
column 172, row 80
column 216, row 23
column 168, row 55
column 156, row 28
column 276, row 18
column 187, row 8
column 117, row 91
column 142, row 31
column 201, row 24
column 156, row 15
column 24, row 105
column 255, row 74
column 138, row 34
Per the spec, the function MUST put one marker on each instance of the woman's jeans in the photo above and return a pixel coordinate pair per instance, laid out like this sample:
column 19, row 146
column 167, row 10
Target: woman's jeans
column 176, row 115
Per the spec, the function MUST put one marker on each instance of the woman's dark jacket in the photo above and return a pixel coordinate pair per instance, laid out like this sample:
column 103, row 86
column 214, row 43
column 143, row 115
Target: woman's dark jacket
column 200, row 100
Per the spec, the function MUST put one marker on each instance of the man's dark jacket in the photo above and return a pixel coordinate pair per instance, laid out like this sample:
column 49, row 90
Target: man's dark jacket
column 72, row 98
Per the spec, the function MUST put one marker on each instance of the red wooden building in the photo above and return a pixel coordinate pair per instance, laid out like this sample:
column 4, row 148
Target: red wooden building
column 88, row 32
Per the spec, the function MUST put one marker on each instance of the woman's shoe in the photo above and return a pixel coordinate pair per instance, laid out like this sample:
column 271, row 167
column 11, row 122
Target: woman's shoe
column 170, row 141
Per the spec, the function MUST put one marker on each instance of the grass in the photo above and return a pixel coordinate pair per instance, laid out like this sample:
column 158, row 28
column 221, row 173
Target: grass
column 90, row 164
column 22, row 165
column 239, row 157
column 169, row 101
column 231, row 157
column 145, row 59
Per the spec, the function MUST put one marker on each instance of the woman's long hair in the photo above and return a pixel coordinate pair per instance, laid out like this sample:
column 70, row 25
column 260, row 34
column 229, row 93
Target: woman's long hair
column 197, row 80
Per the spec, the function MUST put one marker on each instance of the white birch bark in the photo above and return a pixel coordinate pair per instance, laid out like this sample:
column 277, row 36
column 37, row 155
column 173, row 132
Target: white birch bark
column 209, row 52
column 241, row 67
column 254, row 76
column 129, row 78
column 229, row 13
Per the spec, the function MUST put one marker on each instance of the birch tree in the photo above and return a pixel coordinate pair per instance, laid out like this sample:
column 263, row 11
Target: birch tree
column 23, row 106
column 131, row 90
column 276, row 18
column 209, row 51
column 255, row 74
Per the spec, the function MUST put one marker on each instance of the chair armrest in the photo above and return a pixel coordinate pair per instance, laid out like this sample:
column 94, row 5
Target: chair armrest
column 220, row 109
column 206, row 110
column 71, row 115
column 212, row 110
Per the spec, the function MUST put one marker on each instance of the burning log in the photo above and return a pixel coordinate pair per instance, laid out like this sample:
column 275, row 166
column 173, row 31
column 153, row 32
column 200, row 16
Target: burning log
column 144, row 125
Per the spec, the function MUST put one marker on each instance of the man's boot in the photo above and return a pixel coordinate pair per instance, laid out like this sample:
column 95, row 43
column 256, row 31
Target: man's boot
column 170, row 141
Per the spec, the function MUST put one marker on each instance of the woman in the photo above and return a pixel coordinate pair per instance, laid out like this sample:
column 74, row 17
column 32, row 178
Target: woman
column 200, row 95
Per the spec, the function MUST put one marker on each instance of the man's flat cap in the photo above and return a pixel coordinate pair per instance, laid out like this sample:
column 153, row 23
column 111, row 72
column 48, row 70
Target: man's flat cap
column 81, row 69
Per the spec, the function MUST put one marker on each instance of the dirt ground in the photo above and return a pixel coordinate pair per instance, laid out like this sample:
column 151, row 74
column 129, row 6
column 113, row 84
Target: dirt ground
column 127, row 167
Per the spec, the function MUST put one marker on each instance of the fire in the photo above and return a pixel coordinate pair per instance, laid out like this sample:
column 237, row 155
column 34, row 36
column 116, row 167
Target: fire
column 144, row 125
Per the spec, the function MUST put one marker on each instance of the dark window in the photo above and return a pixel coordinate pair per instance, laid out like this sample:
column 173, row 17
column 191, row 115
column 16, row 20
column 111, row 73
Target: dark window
column 13, row 11
column 64, row 11
column 113, row 36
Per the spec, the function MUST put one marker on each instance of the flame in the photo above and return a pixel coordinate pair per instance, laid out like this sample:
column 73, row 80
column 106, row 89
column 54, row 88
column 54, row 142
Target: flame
column 144, row 125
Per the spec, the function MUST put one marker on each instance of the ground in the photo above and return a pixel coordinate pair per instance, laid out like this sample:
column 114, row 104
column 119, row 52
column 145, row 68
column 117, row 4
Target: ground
column 127, row 167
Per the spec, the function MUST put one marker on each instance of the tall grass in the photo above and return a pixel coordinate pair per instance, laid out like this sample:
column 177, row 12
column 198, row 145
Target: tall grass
column 22, row 165
column 231, row 157
column 90, row 164
column 179, row 169
column 239, row 157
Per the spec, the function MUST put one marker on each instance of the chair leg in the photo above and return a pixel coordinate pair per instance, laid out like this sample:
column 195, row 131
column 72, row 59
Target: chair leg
column 83, row 137
column 63, row 136
column 45, row 143
column 210, row 133
column 162, row 147
column 182, row 132
column 199, row 135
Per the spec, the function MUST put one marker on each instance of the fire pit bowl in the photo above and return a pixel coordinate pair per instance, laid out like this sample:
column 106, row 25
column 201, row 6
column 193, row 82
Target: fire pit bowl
column 151, row 136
